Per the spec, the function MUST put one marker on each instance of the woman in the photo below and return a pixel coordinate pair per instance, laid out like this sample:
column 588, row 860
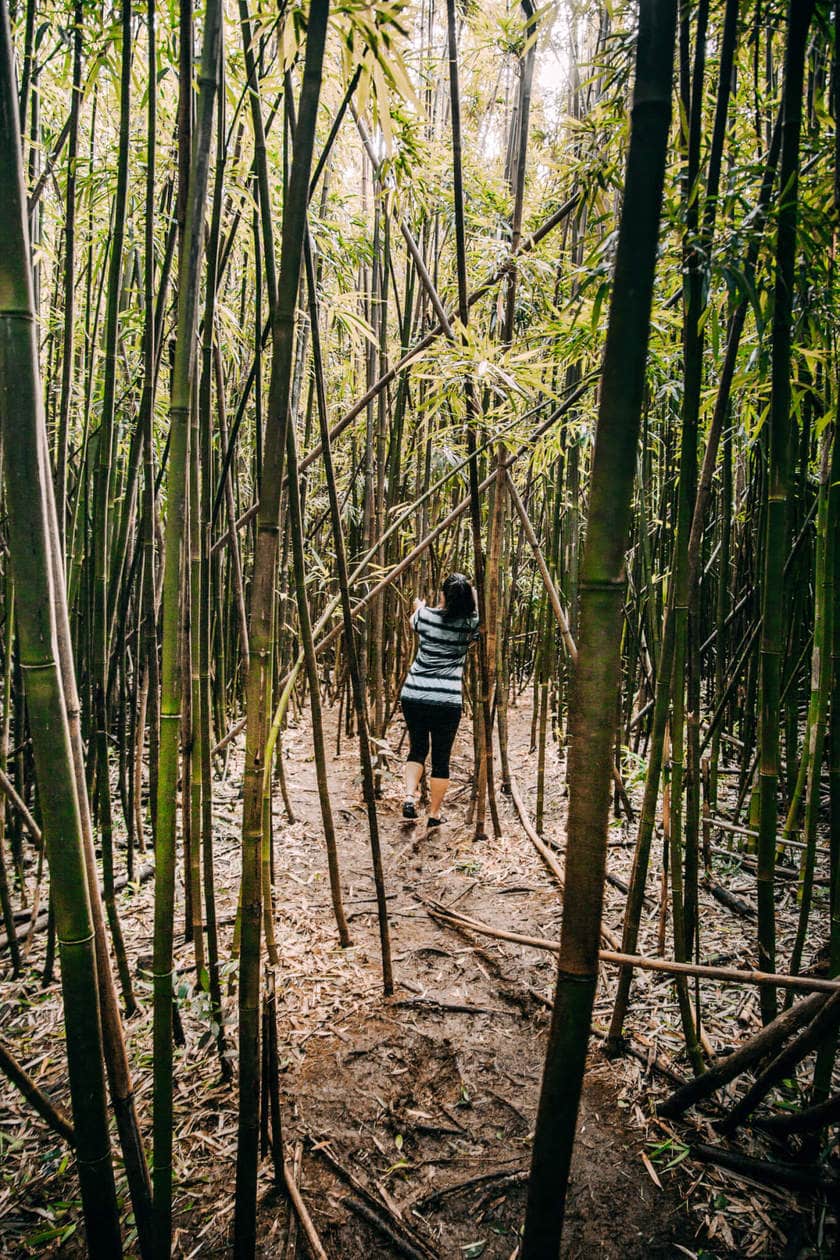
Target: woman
column 431, row 697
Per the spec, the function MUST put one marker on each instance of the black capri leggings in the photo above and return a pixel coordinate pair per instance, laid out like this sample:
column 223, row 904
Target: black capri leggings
column 438, row 721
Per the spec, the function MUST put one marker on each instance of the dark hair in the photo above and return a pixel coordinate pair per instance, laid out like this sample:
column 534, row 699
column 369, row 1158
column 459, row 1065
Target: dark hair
column 458, row 596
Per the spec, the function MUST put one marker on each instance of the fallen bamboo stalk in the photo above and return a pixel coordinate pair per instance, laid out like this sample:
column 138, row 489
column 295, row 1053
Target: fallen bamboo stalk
column 7, row 787
column 376, row 1203
column 767, row 1171
column 729, row 900
column 548, row 857
column 758, row 1047
column 290, row 1252
column 809, row 1120
column 143, row 875
column 720, row 824
column 502, row 1177
column 728, row 975
column 32, row 1092
column 378, row 1221
column 783, row 1066
column 304, row 1219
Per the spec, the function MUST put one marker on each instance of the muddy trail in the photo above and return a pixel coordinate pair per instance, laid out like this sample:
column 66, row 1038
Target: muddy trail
column 409, row 1119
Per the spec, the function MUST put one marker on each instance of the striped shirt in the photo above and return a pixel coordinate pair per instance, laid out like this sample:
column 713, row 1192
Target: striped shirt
column 435, row 676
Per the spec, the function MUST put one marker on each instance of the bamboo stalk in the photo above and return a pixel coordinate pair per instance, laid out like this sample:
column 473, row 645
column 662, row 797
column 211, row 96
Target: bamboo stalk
column 27, row 487
column 171, row 687
column 260, row 633
column 601, row 595
column 615, row 958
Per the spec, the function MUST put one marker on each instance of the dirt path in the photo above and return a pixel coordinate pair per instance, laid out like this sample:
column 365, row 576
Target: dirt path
column 429, row 1099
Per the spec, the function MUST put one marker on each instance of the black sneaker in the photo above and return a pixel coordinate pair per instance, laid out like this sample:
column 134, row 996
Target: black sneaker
column 409, row 809
column 435, row 822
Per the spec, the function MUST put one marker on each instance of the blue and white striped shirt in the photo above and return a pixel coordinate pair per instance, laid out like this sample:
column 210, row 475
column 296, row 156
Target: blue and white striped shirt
column 435, row 676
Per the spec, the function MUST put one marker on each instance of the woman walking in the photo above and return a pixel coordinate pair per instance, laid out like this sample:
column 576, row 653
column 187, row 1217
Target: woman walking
column 431, row 697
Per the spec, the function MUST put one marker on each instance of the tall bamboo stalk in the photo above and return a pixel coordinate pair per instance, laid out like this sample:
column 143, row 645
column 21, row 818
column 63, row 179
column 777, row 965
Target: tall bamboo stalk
column 260, row 632
column 601, row 596
column 27, row 484
column 775, row 540
column 171, row 682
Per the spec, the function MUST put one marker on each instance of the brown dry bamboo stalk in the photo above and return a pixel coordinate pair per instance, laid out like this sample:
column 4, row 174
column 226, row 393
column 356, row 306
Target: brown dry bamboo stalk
column 547, row 856
column 32, row 1092
column 7, row 787
column 304, row 1219
column 728, row 975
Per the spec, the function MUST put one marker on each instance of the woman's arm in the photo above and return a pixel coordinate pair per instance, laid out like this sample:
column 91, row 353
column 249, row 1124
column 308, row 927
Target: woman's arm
column 418, row 604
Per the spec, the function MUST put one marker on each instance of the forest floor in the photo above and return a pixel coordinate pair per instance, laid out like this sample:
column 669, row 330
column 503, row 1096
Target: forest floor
column 426, row 1100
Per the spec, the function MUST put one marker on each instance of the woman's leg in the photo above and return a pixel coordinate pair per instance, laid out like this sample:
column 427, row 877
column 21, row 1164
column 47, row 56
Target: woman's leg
column 437, row 790
column 443, row 737
column 418, row 734
column 413, row 775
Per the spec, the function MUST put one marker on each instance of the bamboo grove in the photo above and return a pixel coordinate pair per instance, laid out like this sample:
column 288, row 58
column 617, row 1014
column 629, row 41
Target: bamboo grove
column 301, row 308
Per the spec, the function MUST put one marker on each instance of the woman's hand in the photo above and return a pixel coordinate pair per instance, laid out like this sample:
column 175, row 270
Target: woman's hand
column 419, row 603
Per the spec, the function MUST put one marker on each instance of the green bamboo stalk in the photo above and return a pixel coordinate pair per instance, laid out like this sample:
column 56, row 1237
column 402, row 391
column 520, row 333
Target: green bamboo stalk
column 821, row 669
column 103, row 488
column 202, row 625
column 313, row 679
column 8, row 649
column 170, row 707
column 775, row 544
column 148, row 596
column 824, row 1067
column 484, row 769
column 260, row 633
column 27, row 483
column 116, row 1057
column 601, row 597
column 356, row 682
column 67, row 354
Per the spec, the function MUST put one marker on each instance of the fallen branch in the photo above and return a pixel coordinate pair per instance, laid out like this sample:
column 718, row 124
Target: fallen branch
column 548, row 857
column 768, row 1171
column 292, row 1233
column 459, row 1008
column 369, row 1214
column 304, row 1219
column 43, row 1104
column 729, row 975
column 377, row 1205
column 810, row 1120
column 758, row 1047
column 501, row 1176
column 143, row 875
column 729, row 900
column 824, row 1022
